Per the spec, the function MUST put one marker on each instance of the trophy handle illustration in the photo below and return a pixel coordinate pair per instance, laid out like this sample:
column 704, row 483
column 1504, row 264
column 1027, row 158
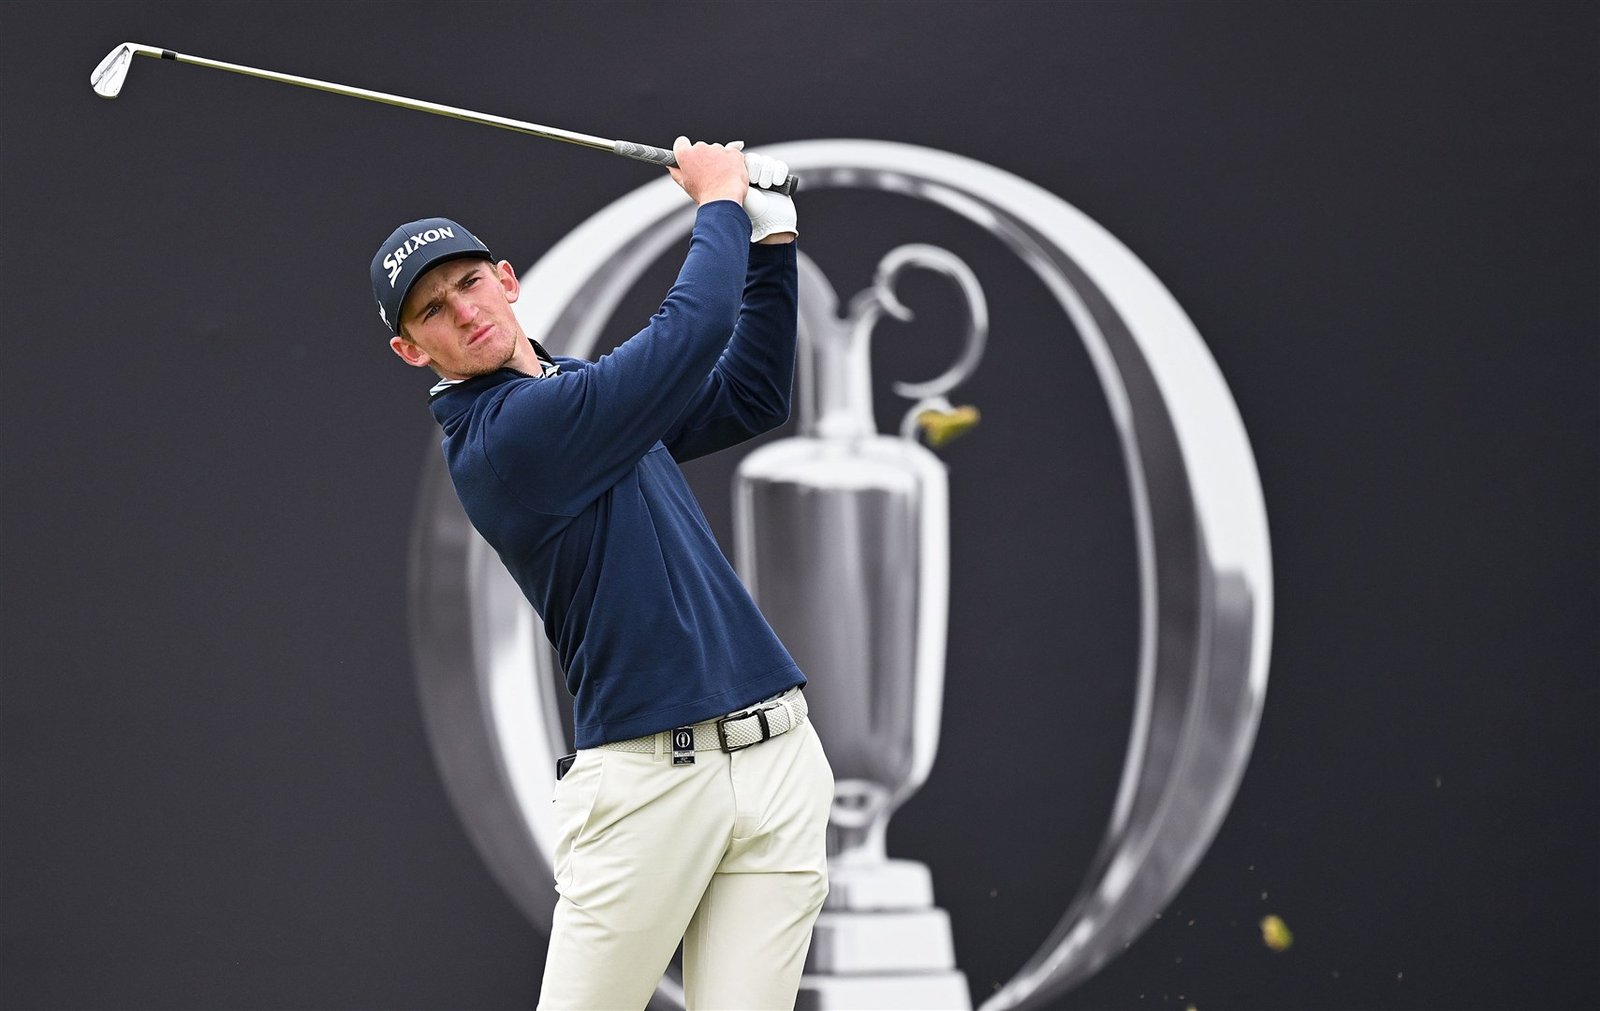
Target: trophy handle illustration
column 842, row 535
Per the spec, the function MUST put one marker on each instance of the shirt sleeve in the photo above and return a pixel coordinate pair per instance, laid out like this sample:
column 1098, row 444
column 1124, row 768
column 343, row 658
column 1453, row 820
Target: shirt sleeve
column 750, row 387
column 560, row 442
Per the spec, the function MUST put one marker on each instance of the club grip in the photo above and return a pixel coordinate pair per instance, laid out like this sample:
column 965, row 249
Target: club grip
column 664, row 158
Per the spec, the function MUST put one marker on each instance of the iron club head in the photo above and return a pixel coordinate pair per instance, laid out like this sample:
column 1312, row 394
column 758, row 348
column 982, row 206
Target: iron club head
column 113, row 70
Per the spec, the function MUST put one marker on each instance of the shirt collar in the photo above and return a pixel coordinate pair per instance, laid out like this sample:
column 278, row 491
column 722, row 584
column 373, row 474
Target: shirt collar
column 548, row 368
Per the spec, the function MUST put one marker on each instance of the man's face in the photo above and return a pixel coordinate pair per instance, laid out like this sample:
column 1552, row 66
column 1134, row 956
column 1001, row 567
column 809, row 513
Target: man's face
column 457, row 318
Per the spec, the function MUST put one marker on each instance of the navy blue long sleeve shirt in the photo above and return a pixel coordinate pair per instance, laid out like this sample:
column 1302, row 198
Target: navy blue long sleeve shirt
column 573, row 479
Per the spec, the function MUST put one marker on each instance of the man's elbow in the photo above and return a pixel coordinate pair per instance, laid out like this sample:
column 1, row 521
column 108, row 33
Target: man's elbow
column 776, row 417
column 762, row 414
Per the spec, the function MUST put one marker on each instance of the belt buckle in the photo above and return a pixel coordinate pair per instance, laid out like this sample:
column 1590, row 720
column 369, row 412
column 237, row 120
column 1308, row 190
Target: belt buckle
column 722, row 729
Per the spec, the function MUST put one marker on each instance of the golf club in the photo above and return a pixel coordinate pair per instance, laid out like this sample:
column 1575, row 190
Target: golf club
column 109, row 76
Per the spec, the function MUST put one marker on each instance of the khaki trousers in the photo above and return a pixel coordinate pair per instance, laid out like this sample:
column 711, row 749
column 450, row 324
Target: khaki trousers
column 727, row 855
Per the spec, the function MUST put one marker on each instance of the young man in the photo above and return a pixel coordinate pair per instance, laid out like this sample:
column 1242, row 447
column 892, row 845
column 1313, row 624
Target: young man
column 697, row 806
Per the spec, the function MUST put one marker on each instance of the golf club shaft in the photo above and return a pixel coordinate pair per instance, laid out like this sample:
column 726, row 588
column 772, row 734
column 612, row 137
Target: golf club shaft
column 627, row 149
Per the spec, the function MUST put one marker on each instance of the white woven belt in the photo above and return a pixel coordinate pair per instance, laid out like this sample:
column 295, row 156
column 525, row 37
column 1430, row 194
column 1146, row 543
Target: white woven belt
column 733, row 732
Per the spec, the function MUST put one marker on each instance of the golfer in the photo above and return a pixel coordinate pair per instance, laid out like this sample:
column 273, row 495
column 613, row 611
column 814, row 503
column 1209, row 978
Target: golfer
column 696, row 806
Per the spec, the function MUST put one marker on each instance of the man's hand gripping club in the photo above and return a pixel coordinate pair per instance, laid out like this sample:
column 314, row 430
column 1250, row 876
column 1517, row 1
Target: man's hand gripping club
column 710, row 172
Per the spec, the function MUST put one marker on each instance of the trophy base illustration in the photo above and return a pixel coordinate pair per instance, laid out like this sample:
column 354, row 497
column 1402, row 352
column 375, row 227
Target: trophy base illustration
column 897, row 992
column 880, row 943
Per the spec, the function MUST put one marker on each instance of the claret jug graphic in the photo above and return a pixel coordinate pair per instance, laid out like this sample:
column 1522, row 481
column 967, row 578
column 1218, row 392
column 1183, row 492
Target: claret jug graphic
column 842, row 535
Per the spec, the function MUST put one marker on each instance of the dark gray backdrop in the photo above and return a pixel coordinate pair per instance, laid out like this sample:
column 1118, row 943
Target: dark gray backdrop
column 216, row 790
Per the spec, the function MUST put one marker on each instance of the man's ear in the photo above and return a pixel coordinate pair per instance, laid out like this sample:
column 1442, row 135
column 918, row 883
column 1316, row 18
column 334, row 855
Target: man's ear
column 409, row 352
column 508, row 280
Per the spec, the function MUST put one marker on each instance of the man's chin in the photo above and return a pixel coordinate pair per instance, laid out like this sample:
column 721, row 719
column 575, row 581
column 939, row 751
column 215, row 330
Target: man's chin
column 471, row 370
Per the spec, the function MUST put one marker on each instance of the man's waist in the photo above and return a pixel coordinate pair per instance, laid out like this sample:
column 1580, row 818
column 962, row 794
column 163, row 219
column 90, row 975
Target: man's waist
column 733, row 731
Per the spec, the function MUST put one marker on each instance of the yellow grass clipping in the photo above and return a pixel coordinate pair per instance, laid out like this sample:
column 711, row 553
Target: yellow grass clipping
column 939, row 427
column 1275, row 933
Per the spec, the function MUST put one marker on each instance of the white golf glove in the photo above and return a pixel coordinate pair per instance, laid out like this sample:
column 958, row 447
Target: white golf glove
column 769, row 212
